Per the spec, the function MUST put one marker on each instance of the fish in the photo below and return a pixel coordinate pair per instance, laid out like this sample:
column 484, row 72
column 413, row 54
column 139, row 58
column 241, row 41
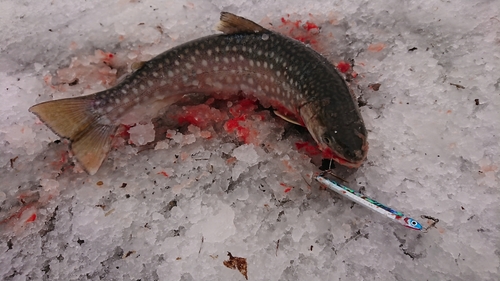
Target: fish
column 299, row 84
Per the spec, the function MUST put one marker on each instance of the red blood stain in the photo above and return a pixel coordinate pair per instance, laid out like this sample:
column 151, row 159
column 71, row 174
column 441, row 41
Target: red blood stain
column 122, row 131
column 309, row 25
column 327, row 153
column 302, row 32
column 287, row 187
column 32, row 218
column 243, row 106
column 308, row 148
column 163, row 173
column 233, row 125
column 343, row 66
column 17, row 215
column 200, row 115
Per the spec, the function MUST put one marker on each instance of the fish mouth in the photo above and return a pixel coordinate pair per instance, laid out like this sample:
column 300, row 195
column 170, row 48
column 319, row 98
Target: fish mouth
column 328, row 153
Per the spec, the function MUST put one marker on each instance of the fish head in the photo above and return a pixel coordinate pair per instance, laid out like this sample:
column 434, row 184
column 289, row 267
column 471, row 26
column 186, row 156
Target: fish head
column 340, row 137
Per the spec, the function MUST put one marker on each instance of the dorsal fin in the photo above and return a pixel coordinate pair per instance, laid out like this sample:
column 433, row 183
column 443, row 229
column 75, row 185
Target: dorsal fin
column 230, row 23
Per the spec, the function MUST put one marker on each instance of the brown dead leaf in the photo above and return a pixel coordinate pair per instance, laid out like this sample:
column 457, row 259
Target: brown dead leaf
column 237, row 263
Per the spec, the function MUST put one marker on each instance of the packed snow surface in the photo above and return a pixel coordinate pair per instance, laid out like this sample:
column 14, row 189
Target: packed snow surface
column 178, row 193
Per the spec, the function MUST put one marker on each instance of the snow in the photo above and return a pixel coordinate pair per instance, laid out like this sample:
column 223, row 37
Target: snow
column 171, row 208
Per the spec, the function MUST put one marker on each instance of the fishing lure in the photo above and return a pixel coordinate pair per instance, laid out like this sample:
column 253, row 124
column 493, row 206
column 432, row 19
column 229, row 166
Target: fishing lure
column 369, row 203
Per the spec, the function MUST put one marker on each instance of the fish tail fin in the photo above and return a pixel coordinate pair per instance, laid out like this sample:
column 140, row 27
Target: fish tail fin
column 76, row 120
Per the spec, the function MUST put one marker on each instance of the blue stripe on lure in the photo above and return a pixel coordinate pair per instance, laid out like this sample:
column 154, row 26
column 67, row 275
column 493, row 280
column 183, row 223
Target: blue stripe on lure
column 369, row 203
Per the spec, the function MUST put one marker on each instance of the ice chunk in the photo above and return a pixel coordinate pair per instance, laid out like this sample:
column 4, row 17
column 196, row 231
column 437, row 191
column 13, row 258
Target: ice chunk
column 141, row 134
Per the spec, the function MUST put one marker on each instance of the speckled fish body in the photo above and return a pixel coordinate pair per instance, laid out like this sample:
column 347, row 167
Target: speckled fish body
column 280, row 72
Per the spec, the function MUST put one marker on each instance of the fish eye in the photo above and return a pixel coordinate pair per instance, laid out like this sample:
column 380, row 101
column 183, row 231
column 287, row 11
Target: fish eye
column 327, row 139
column 413, row 223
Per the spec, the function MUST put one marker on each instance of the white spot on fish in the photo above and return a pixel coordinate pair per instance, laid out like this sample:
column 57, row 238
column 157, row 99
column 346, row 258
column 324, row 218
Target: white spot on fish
column 271, row 54
column 265, row 36
column 193, row 59
column 123, row 91
column 177, row 71
column 150, row 83
column 217, row 59
column 229, row 79
column 199, row 71
column 160, row 65
column 142, row 86
column 250, row 81
column 259, row 88
column 109, row 108
column 126, row 100
column 195, row 82
column 137, row 99
column 235, row 49
column 257, row 63
column 233, row 59
column 117, row 101
column 244, row 48
column 120, row 109
column 170, row 74
column 155, row 74
column 218, row 85
column 265, row 64
column 278, row 73
column 209, row 52
column 208, row 81
column 259, row 52
column 226, row 60
column 196, row 52
column 204, row 63
column 267, row 88
column 241, row 58
column 188, row 65
column 176, row 62
column 216, row 68
column 135, row 91
column 184, row 78
column 227, row 48
column 251, row 63
column 217, row 49
column 258, row 75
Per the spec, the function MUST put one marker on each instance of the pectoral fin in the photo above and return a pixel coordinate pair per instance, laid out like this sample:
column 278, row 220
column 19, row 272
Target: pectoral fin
column 288, row 119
